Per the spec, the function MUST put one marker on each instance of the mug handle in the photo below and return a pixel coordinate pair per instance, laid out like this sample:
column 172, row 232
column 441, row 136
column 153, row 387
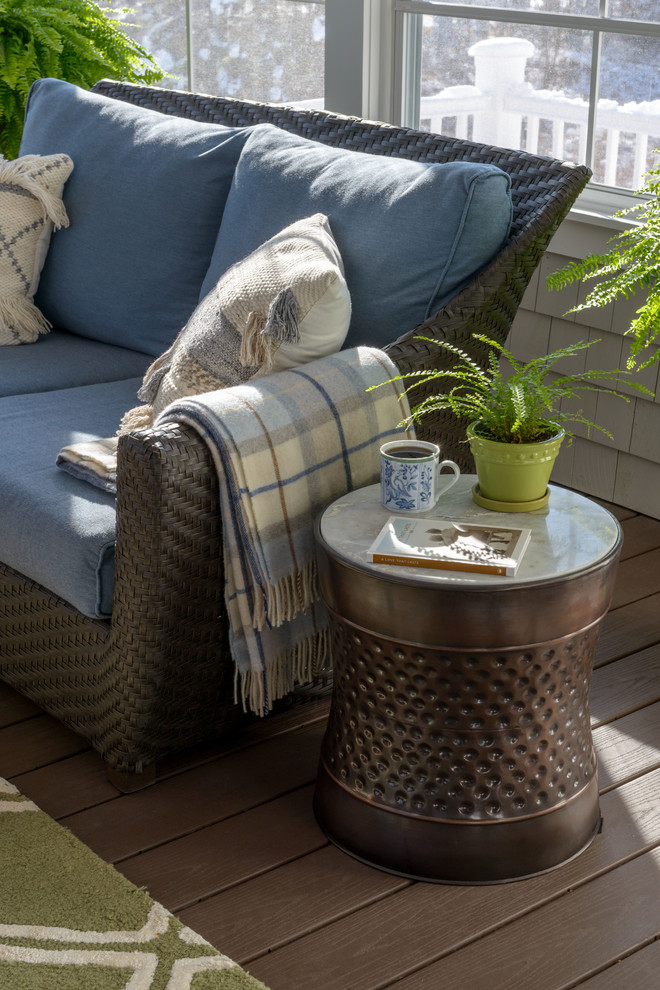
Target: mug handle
column 450, row 479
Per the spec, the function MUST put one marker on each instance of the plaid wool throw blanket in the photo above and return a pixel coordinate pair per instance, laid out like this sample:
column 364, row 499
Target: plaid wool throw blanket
column 285, row 447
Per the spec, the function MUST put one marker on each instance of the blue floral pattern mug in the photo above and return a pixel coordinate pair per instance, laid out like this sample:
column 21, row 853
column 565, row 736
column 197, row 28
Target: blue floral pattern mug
column 410, row 479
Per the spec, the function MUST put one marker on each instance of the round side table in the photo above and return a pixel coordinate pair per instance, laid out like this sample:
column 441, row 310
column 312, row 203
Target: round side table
column 459, row 746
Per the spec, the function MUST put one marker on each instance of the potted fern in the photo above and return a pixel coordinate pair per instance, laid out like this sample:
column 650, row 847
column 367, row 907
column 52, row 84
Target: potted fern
column 517, row 419
column 632, row 264
column 74, row 40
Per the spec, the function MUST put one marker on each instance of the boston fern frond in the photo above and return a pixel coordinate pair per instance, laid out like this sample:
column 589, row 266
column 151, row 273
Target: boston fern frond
column 74, row 40
column 520, row 406
column 632, row 264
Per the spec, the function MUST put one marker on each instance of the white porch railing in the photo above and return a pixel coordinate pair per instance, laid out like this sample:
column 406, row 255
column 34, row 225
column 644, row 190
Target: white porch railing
column 502, row 109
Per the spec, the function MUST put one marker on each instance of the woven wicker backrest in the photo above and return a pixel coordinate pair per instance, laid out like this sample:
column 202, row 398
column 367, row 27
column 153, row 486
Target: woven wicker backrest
column 543, row 190
column 537, row 182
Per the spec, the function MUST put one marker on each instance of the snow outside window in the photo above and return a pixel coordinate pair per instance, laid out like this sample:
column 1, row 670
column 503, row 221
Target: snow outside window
column 270, row 50
column 574, row 79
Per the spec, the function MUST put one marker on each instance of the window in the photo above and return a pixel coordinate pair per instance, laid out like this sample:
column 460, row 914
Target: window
column 271, row 50
column 575, row 79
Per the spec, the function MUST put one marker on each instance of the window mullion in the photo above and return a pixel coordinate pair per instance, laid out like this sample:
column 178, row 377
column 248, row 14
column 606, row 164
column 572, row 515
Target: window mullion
column 411, row 58
column 400, row 80
column 189, row 48
column 379, row 77
column 594, row 86
column 345, row 56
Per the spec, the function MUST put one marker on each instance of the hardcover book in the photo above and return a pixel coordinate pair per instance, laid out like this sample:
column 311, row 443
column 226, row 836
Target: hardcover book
column 449, row 545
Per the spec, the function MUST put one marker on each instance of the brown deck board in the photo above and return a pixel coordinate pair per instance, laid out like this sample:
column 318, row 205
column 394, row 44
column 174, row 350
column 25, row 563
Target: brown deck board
column 13, row 707
column 80, row 782
column 629, row 629
column 170, row 808
column 630, row 683
column 222, row 855
column 35, row 742
column 71, row 785
column 288, row 902
column 628, row 747
column 637, row 577
column 431, row 920
column 505, row 960
column 227, row 838
column 640, row 534
column 639, row 969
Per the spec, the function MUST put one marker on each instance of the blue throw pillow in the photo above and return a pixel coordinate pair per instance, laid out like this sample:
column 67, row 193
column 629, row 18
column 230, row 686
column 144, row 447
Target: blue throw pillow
column 144, row 201
column 410, row 234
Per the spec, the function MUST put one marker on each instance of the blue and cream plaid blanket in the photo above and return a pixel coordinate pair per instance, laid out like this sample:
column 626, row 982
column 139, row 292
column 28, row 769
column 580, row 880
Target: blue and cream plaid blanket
column 286, row 446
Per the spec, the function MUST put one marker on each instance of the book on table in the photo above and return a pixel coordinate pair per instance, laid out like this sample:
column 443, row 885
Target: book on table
column 450, row 545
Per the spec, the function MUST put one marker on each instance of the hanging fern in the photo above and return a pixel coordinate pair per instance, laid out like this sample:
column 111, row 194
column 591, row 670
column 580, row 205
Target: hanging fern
column 74, row 40
column 633, row 263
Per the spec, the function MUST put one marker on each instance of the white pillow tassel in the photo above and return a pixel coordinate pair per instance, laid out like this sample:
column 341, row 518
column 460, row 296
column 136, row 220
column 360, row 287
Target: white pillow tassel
column 262, row 336
column 14, row 172
column 20, row 321
column 256, row 349
column 138, row 418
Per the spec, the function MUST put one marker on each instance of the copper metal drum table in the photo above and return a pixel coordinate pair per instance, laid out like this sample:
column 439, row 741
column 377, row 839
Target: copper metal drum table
column 459, row 746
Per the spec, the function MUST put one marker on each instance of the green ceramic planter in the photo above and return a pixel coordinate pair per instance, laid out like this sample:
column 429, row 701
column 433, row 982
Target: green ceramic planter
column 513, row 472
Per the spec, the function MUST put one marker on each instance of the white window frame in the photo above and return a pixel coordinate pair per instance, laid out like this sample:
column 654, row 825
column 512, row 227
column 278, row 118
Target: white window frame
column 359, row 58
column 597, row 200
column 372, row 64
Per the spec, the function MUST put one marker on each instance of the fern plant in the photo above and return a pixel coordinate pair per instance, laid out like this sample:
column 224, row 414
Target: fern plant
column 633, row 263
column 524, row 406
column 74, row 40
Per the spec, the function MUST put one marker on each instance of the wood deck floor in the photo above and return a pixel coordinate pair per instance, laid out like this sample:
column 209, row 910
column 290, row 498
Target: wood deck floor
column 228, row 842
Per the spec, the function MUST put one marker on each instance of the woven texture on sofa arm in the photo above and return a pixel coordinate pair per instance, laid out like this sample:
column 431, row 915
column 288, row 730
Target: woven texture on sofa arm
column 158, row 676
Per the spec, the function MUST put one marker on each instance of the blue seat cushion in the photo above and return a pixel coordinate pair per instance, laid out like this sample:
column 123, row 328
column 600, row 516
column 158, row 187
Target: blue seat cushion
column 65, row 360
column 55, row 529
column 410, row 234
column 145, row 201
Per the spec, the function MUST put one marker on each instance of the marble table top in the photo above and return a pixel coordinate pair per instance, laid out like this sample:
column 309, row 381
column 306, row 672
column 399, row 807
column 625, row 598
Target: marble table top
column 569, row 535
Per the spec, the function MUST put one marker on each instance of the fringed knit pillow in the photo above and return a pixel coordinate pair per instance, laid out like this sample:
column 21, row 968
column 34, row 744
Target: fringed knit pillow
column 287, row 303
column 30, row 207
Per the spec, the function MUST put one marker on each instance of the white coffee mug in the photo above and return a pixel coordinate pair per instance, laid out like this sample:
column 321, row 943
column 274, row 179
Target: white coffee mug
column 410, row 479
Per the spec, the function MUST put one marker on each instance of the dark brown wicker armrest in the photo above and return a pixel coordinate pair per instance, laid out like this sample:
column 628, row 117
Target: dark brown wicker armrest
column 169, row 588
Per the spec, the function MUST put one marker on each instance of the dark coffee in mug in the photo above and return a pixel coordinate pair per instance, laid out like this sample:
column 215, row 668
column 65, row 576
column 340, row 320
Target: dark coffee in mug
column 410, row 452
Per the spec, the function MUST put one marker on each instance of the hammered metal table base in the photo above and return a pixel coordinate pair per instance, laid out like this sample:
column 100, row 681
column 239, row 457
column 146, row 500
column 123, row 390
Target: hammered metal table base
column 466, row 755
column 455, row 852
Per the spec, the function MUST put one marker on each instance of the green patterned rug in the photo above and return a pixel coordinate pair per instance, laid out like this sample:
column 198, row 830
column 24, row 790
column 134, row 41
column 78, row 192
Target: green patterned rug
column 69, row 921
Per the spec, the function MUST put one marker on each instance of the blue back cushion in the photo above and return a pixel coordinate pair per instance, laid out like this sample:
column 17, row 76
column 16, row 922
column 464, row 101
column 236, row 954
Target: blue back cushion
column 410, row 234
column 145, row 201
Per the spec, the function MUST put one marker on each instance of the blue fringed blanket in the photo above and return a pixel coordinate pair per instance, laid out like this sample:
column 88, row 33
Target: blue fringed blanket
column 285, row 447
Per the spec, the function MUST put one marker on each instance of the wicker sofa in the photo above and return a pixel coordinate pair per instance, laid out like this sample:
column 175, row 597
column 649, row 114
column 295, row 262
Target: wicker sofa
column 157, row 675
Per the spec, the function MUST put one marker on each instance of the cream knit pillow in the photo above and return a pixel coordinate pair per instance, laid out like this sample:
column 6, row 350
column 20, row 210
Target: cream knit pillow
column 30, row 207
column 287, row 303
